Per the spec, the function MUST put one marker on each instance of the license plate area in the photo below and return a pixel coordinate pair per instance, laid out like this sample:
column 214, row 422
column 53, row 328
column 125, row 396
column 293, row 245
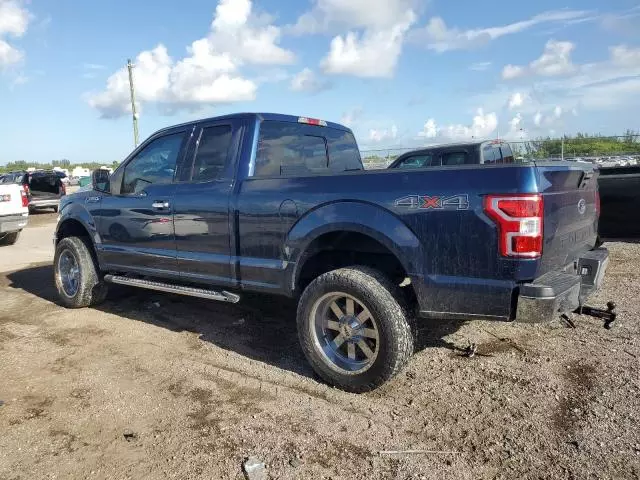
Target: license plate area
column 5, row 198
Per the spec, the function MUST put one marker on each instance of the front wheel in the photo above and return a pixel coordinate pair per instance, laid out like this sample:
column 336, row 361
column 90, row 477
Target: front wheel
column 76, row 274
column 352, row 329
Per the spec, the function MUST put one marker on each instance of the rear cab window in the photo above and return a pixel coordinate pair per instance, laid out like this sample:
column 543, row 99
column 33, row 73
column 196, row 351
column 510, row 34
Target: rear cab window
column 491, row 154
column 293, row 149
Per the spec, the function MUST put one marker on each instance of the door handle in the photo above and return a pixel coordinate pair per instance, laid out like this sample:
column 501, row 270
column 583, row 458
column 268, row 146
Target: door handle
column 160, row 204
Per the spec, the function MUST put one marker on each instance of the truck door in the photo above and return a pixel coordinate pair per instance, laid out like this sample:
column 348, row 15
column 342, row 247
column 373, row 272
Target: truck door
column 135, row 221
column 202, row 204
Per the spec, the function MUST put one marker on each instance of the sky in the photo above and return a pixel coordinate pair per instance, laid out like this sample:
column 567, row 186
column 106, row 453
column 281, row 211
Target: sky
column 398, row 72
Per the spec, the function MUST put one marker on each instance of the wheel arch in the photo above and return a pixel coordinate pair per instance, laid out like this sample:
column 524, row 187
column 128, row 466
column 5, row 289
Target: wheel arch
column 351, row 223
column 77, row 222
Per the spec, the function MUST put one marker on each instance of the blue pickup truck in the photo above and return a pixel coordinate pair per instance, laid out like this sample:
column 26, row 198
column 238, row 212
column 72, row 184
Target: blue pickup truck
column 282, row 205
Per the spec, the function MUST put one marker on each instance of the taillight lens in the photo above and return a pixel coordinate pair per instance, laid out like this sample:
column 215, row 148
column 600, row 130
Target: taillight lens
column 519, row 220
column 26, row 188
column 25, row 198
column 63, row 189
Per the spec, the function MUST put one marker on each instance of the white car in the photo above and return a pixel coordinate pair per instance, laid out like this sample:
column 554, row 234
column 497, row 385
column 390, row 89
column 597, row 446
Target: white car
column 14, row 212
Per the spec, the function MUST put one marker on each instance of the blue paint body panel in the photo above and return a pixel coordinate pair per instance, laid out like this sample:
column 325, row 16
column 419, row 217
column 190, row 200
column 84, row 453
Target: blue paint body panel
column 252, row 233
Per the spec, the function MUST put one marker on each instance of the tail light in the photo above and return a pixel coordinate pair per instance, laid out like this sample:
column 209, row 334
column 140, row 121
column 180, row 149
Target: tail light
column 25, row 197
column 63, row 189
column 519, row 220
column 26, row 188
column 597, row 202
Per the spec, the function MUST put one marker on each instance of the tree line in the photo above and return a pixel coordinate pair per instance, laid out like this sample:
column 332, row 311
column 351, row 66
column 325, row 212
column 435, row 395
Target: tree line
column 21, row 165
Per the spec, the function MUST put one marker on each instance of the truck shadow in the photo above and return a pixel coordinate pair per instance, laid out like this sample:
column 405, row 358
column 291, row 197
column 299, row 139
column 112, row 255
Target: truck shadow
column 260, row 327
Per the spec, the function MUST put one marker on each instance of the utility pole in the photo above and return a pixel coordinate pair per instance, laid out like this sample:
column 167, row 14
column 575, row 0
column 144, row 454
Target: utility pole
column 133, row 103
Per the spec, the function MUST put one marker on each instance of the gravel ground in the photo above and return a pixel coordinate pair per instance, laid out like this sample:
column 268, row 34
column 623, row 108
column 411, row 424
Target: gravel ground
column 160, row 386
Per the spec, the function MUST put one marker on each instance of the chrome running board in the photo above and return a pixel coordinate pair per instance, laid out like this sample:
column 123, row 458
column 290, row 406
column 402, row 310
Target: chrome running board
column 222, row 296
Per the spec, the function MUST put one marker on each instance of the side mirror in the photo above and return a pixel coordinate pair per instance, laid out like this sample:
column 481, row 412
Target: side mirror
column 100, row 180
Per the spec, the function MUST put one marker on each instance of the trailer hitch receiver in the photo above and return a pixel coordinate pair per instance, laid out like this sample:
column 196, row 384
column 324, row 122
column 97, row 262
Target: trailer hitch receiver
column 609, row 315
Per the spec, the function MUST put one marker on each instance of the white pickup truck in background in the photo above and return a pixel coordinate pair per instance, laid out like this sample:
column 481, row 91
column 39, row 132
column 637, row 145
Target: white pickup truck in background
column 14, row 212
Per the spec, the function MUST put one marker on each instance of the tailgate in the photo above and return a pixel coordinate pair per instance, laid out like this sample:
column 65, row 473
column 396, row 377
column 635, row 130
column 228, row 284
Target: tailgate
column 570, row 211
column 11, row 200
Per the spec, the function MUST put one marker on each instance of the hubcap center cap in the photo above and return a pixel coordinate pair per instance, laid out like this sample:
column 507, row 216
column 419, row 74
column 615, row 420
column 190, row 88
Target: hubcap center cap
column 349, row 327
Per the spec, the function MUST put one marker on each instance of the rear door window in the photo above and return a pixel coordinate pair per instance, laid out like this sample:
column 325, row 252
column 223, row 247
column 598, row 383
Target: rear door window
column 213, row 150
column 292, row 149
column 454, row 158
column 419, row 161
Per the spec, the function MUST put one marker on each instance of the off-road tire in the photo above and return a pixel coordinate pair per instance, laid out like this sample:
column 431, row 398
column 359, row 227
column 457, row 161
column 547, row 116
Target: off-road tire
column 92, row 290
column 9, row 238
column 385, row 302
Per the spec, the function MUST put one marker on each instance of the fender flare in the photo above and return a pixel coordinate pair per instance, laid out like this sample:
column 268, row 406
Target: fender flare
column 358, row 217
column 76, row 212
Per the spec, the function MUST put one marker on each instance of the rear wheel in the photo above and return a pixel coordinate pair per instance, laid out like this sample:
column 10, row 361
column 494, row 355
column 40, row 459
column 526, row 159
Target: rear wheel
column 353, row 331
column 76, row 274
column 9, row 238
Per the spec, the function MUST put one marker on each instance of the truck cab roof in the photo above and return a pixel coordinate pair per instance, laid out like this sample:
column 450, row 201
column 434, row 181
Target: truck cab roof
column 261, row 116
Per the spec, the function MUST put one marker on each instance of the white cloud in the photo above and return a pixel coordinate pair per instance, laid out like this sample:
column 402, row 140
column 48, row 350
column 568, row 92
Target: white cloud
column 515, row 122
column 482, row 126
column 537, row 119
column 350, row 117
column 624, row 56
column 374, row 33
column 14, row 20
column 479, row 66
column 373, row 53
column 208, row 75
column 435, row 35
column 516, row 100
column 245, row 36
column 430, row 129
column 308, row 81
column 379, row 136
column 330, row 15
column 554, row 61
column 557, row 112
column 512, row 71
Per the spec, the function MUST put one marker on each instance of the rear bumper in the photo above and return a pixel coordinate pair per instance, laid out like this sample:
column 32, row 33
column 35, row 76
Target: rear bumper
column 50, row 203
column 559, row 292
column 13, row 223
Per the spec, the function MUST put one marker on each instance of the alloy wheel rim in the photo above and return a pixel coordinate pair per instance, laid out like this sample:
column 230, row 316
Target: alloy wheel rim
column 68, row 273
column 345, row 333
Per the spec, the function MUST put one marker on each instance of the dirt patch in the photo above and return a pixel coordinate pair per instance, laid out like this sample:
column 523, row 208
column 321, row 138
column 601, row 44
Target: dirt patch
column 199, row 386
column 74, row 336
column 573, row 406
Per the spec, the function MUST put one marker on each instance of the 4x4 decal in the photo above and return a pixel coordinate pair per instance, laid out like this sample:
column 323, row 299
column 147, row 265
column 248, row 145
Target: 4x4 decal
column 434, row 202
